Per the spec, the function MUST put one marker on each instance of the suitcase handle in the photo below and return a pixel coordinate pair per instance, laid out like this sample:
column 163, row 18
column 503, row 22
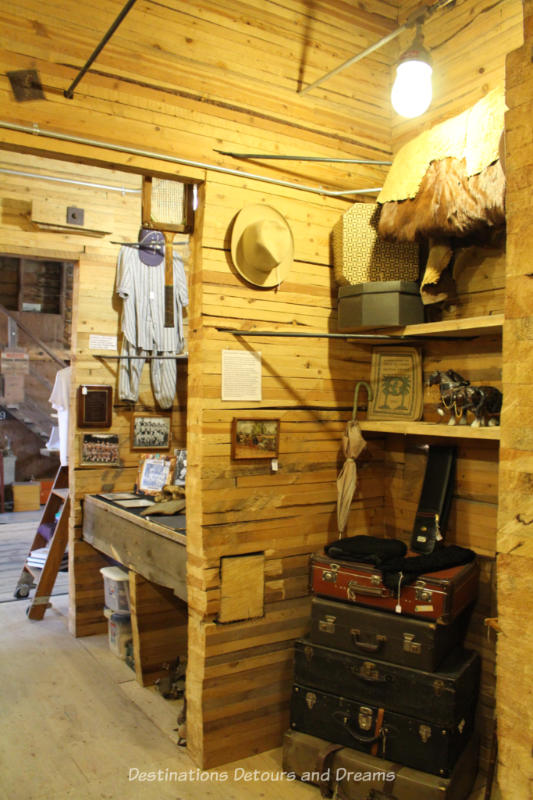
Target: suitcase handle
column 368, row 647
column 339, row 716
column 355, row 588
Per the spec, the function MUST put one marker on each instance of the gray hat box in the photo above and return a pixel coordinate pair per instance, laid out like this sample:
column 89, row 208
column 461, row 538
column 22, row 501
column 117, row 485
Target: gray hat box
column 379, row 304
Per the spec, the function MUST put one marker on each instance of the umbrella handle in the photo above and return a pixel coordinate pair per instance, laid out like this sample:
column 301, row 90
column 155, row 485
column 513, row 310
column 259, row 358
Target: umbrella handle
column 356, row 393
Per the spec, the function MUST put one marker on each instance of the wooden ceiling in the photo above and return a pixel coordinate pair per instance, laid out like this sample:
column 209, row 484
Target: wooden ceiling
column 196, row 77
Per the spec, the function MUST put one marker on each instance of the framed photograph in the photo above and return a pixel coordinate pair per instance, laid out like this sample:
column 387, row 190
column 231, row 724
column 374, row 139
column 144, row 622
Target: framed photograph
column 180, row 472
column 396, row 380
column 100, row 449
column 150, row 431
column 155, row 471
column 255, row 438
column 94, row 405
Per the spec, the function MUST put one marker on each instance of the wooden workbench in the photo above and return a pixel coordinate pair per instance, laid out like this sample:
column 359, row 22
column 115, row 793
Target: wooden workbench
column 156, row 557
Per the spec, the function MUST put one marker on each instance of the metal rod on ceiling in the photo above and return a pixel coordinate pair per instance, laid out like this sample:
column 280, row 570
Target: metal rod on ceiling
column 69, row 93
column 36, row 131
column 120, row 189
column 419, row 15
column 303, row 158
column 355, row 59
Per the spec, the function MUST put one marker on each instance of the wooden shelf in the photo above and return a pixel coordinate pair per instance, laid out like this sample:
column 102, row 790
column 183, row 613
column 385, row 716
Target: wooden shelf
column 61, row 493
column 456, row 328
column 430, row 429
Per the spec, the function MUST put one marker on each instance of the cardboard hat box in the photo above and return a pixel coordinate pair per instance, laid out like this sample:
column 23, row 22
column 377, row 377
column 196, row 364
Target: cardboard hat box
column 379, row 304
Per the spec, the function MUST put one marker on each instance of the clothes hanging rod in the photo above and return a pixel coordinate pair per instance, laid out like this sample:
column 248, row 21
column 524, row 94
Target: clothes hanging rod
column 121, row 189
column 417, row 16
column 69, row 93
column 308, row 335
column 64, row 137
column 137, row 358
column 303, row 158
column 399, row 337
column 154, row 248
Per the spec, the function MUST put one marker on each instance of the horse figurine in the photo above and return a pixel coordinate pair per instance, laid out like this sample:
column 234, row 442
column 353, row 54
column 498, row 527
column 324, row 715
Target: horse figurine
column 485, row 403
column 449, row 383
column 458, row 397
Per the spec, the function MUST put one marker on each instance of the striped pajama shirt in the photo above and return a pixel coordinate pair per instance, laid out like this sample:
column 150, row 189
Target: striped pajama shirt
column 141, row 288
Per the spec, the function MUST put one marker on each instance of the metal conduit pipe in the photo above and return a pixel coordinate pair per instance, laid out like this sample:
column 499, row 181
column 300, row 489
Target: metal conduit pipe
column 20, row 173
column 35, row 130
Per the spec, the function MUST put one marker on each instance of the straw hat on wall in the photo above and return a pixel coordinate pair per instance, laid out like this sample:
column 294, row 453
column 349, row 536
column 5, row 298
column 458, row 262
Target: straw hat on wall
column 262, row 246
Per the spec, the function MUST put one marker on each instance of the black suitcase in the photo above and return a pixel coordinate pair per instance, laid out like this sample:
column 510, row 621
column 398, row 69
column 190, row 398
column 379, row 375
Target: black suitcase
column 351, row 775
column 442, row 697
column 389, row 637
column 419, row 744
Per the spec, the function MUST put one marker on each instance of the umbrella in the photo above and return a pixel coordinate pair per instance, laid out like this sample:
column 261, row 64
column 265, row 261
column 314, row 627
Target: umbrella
column 353, row 445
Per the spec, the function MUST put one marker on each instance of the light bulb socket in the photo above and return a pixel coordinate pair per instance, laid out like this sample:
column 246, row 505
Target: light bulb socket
column 416, row 51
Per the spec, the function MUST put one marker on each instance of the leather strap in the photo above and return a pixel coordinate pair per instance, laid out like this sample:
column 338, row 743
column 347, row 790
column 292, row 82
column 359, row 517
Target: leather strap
column 377, row 731
column 388, row 786
column 323, row 763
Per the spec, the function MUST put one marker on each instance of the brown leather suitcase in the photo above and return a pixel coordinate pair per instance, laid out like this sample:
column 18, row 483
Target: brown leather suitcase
column 411, row 642
column 439, row 596
column 351, row 775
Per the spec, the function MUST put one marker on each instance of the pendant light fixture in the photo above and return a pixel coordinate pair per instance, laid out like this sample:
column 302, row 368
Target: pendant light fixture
column 412, row 90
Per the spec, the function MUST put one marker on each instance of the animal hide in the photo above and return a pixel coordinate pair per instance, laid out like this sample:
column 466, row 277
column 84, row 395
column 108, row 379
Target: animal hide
column 447, row 204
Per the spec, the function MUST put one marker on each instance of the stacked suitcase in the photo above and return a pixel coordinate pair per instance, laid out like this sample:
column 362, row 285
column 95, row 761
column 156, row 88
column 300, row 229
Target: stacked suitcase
column 383, row 685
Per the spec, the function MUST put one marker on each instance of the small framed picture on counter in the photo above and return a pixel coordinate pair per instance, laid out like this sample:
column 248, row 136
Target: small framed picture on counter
column 155, row 471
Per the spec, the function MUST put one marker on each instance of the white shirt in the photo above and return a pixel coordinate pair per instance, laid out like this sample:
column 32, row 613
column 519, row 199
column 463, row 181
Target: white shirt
column 142, row 289
column 60, row 402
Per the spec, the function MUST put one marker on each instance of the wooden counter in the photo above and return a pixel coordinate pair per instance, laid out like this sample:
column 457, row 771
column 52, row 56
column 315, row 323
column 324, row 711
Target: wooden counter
column 151, row 549
column 156, row 557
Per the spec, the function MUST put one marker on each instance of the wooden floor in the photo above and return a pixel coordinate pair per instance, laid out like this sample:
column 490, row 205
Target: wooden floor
column 75, row 724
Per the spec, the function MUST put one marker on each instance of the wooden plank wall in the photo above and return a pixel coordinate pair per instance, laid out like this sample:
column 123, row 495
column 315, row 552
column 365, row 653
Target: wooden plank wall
column 515, row 543
column 241, row 671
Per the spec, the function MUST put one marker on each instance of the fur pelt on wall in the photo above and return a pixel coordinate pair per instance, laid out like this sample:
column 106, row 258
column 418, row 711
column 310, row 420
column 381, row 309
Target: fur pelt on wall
column 448, row 203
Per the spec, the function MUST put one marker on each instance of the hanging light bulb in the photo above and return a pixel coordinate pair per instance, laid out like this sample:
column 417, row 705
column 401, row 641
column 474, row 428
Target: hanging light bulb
column 411, row 93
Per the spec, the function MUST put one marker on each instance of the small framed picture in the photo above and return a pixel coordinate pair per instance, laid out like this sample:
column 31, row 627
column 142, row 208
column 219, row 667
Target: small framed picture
column 94, row 404
column 150, row 431
column 180, row 473
column 155, row 471
column 100, row 449
column 255, row 438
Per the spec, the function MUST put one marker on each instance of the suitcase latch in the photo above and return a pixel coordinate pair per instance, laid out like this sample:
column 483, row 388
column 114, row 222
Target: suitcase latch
column 364, row 718
column 310, row 699
column 421, row 593
column 330, row 575
column 425, row 732
column 438, row 686
column 327, row 624
column 369, row 671
column 409, row 644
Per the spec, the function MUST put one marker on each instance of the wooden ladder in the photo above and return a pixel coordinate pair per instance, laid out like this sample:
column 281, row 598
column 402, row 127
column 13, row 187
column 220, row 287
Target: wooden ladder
column 44, row 579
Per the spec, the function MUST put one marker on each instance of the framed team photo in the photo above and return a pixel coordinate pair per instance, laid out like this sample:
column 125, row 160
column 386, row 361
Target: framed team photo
column 150, row 431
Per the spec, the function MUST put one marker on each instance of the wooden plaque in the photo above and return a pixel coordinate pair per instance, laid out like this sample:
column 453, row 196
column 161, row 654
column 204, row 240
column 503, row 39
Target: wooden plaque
column 94, row 404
